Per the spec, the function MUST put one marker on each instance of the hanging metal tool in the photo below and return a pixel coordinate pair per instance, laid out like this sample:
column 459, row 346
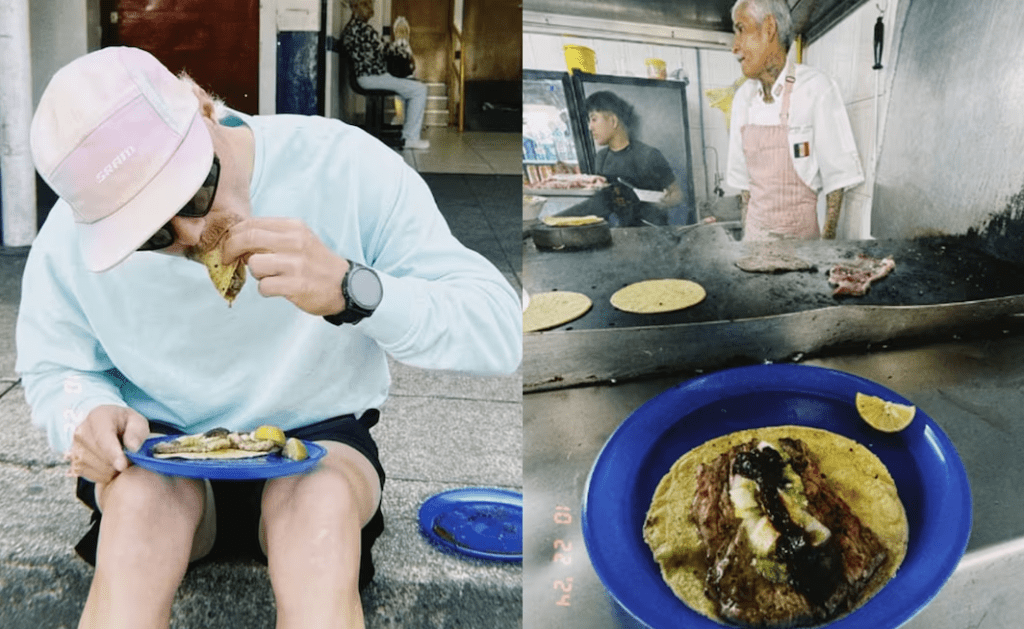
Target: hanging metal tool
column 879, row 38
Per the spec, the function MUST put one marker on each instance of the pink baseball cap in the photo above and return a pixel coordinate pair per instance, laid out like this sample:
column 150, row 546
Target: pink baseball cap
column 121, row 140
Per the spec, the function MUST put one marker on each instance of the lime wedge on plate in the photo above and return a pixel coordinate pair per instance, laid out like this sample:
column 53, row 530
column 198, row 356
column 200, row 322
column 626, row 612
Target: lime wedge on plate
column 883, row 415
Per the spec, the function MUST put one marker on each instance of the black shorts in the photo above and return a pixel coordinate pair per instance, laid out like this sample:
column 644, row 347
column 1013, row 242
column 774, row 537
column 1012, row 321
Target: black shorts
column 238, row 502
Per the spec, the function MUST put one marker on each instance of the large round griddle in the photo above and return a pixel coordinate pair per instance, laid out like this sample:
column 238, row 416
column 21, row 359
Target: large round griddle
column 929, row 271
column 940, row 285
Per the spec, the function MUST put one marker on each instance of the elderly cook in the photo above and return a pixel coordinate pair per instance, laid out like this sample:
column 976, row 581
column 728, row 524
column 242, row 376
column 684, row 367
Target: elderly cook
column 790, row 136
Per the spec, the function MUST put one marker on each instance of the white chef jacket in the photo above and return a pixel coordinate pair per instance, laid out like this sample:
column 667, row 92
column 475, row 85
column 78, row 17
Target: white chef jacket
column 821, row 141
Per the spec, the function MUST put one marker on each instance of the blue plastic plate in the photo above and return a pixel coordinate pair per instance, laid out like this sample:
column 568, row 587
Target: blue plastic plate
column 270, row 466
column 929, row 475
column 478, row 522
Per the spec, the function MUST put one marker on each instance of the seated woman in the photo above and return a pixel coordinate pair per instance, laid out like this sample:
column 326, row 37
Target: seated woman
column 366, row 49
column 629, row 165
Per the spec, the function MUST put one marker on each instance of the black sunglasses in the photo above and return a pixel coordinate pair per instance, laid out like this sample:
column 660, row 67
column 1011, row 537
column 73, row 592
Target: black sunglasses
column 197, row 207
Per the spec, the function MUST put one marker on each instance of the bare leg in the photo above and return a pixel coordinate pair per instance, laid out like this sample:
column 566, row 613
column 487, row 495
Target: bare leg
column 311, row 530
column 152, row 525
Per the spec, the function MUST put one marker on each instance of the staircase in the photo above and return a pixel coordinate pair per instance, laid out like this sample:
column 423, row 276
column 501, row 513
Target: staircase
column 437, row 106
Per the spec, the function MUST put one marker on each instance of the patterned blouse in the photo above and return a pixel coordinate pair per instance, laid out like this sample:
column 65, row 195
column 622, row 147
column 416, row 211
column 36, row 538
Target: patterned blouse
column 364, row 47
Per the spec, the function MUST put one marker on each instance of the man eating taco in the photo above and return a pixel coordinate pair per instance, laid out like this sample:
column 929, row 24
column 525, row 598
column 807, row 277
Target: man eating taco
column 119, row 335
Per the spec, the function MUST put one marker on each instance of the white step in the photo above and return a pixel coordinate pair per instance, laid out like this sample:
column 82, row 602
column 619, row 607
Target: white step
column 435, row 119
column 437, row 89
column 436, row 114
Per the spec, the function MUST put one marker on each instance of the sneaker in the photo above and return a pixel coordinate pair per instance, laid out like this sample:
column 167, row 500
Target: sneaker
column 420, row 144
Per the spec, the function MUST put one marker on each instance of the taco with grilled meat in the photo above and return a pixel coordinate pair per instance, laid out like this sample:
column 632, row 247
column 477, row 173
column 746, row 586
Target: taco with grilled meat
column 785, row 526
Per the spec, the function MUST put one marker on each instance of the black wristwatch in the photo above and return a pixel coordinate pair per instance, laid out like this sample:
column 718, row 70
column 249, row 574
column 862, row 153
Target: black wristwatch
column 362, row 290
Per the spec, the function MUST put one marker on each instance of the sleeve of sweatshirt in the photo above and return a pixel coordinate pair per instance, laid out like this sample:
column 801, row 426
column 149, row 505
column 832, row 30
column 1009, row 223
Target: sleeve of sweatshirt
column 64, row 371
column 444, row 306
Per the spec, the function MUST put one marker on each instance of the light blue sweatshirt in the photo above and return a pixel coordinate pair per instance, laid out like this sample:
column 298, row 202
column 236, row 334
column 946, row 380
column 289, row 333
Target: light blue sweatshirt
column 154, row 334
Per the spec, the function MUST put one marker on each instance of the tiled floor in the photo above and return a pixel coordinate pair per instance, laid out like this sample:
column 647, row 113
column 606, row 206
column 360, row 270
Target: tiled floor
column 483, row 213
column 474, row 176
column 469, row 152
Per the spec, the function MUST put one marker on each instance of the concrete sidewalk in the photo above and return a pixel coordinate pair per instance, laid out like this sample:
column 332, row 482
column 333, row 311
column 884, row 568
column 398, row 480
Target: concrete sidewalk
column 438, row 431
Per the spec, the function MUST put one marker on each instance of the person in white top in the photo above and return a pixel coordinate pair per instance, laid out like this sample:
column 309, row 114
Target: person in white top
column 790, row 136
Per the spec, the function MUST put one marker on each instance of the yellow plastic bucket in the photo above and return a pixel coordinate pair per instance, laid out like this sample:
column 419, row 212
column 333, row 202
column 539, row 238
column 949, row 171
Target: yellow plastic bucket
column 580, row 58
column 656, row 68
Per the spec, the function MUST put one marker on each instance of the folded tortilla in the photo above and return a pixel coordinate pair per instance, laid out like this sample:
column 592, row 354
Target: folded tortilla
column 216, row 454
column 227, row 278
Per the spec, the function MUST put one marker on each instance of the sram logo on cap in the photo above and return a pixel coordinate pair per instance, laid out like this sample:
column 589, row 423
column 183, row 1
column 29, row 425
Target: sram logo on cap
column 114, row 164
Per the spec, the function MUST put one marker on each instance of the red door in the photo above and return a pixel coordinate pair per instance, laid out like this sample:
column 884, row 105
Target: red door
column 217, row 43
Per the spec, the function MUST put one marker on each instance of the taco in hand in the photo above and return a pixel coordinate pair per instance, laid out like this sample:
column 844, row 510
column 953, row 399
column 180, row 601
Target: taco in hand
column 227, row 278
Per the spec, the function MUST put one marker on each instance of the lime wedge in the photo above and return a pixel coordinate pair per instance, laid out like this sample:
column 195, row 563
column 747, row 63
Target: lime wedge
column 883, row 415
column 270, row 433
column 295, row 450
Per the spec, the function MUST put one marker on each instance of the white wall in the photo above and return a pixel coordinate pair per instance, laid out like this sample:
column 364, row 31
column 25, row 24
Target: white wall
column 719, row 70
column 60, row 32
column 846, row 53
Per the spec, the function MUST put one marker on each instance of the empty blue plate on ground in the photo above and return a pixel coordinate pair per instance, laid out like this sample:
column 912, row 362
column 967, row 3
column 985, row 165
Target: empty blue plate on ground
column 479, row 522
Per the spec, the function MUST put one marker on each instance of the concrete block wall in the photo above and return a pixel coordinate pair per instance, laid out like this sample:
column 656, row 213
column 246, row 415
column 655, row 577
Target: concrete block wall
column 846, row 53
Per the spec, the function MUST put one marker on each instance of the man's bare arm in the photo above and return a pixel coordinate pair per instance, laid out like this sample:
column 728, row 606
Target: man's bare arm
column 833, row 204
column 673, row 195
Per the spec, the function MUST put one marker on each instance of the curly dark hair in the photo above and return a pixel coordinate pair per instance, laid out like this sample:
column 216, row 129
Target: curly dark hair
column 610, row 102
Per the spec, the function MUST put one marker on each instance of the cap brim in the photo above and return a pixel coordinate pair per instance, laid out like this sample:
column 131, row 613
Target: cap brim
column 109, row 241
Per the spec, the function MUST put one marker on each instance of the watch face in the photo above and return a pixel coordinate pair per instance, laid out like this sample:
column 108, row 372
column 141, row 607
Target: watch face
column 364, row 287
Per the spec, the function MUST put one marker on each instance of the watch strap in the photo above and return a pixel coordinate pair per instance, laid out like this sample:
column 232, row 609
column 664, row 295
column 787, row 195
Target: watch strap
column 353, row 312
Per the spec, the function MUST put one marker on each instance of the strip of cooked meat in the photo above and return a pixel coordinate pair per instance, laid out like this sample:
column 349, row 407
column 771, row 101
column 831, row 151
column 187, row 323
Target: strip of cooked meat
column 863, row 553
column 571, row 181
column 193, row 443
column 712, row 509
column 856, row 276
column 800, row 583
column 246, row 441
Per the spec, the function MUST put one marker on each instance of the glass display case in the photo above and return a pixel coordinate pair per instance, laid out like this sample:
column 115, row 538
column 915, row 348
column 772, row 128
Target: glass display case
column 550, row 134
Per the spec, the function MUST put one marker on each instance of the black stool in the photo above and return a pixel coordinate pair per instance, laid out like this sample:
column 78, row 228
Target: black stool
column 387, row 133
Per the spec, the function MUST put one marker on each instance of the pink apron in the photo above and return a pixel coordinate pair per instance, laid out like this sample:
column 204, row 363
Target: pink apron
column 781, row 204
